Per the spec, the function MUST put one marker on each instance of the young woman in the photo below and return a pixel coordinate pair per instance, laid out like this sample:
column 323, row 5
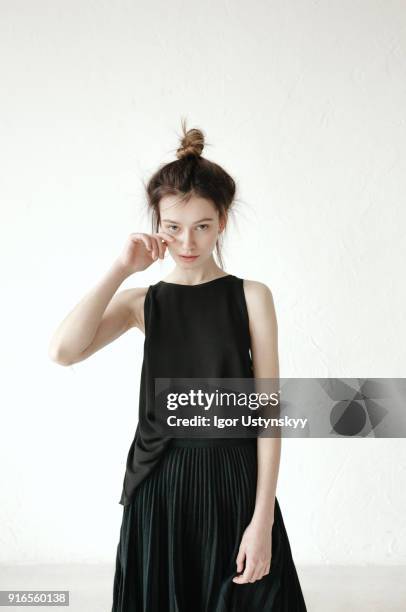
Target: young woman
column 202, row 530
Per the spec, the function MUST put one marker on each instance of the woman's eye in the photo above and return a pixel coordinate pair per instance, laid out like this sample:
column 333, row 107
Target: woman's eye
column 173, row 228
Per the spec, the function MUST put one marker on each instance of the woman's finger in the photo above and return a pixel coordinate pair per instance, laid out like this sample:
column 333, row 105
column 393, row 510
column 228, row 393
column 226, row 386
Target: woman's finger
column 154, row 247
column 161, row 239
column 261, row 572
column 143, row 238
column 246, row 575
column 164, row 240
column 166, row 236
column 240, row 561
column 159, row 249
column 257, row 573
column 250, row 571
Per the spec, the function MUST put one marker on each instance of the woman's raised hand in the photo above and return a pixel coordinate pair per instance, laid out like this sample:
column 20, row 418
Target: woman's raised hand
column 141, row 250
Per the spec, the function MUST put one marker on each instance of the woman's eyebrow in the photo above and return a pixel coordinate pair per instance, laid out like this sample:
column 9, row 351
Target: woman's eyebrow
column 199, row 221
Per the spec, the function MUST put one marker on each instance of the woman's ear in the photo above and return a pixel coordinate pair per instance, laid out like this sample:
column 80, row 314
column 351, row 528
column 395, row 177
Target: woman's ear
column 222, row 224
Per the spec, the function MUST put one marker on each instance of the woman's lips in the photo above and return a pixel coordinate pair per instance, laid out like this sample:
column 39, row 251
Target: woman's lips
column 189, row 258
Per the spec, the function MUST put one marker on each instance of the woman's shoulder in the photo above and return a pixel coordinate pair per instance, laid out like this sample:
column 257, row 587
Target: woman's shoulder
column 256, row 288
column 258, row 296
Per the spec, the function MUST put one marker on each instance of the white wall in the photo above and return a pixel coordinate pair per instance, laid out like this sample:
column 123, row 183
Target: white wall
column 303, row 102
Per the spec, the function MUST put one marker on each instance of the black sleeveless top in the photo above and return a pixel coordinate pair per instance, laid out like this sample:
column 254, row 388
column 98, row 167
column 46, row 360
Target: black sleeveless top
column 191, row 331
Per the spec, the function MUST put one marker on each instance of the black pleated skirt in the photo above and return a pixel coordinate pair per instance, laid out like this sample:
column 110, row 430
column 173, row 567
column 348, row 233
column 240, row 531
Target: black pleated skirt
column 180, row 536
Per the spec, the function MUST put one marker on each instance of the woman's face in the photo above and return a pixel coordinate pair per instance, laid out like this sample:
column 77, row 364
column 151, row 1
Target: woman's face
column 194, row 225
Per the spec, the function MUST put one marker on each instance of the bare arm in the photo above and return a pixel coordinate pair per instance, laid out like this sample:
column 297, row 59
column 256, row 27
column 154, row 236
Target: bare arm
column 96, row 320
column 256, row 544
column 264, row 339
column 100, row 318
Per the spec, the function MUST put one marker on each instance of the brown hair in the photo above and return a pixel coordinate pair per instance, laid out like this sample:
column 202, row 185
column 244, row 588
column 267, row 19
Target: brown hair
column 191, row 174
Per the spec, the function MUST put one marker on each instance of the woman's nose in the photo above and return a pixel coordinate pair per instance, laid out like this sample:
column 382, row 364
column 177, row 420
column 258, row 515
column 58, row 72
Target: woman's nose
column 187, row 240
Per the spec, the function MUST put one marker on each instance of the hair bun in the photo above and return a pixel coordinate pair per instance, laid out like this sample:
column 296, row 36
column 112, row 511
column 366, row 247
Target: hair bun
column 192, row 142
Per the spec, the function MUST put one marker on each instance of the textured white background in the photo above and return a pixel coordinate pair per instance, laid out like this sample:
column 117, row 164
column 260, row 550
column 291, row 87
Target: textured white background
column 303, row 102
